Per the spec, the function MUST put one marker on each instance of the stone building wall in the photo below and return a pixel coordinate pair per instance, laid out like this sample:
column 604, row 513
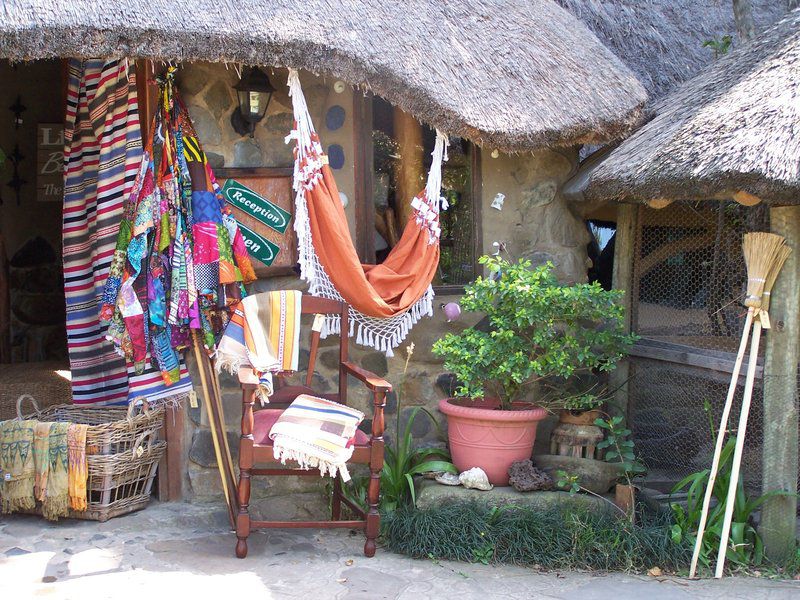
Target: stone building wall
column 535, row 222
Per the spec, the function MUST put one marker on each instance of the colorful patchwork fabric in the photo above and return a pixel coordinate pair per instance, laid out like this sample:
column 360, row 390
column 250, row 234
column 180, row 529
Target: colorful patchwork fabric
column 179, row 269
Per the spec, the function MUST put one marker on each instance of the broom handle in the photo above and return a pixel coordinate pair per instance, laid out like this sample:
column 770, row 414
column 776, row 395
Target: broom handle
column 198, row 353
column 737, row 453
column 723, row 426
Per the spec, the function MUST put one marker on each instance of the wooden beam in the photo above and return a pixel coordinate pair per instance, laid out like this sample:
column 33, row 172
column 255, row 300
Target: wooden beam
column 363, row 170
column 622, row 279
column 5, row 306
column 779, row 449
column 174, row 425
column 410, row 169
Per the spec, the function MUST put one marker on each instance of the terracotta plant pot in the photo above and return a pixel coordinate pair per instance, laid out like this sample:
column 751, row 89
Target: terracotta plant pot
column 482, row 436
column 574, row 417
column 625, row 498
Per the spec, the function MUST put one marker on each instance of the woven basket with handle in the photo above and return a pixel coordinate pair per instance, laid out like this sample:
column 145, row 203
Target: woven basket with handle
column 122, row 452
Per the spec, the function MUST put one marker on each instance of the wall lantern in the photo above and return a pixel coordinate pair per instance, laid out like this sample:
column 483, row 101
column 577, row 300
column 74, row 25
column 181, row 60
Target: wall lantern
column 254, row 91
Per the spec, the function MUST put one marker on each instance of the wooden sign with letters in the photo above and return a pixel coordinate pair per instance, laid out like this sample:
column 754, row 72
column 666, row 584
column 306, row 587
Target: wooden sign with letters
column 262, row 200
column 50, row 162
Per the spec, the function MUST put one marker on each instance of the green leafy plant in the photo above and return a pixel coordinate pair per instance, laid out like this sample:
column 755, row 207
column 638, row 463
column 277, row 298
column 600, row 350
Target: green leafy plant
column 402, row 460
column 538, row 329
column 583, row 402
column 620, row 448
column 745, row 546
column 559, row 537
column 719, row 46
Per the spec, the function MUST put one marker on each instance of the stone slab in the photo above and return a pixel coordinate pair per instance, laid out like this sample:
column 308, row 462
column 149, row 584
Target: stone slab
column 431, row 494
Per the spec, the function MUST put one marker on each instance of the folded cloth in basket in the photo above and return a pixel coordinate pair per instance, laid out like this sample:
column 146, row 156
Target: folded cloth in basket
column 263, row 333
column 316, row 433
column 17, row 465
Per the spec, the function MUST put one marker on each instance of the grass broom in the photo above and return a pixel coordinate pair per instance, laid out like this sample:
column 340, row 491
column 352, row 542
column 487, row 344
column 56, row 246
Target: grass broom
column 765, row 254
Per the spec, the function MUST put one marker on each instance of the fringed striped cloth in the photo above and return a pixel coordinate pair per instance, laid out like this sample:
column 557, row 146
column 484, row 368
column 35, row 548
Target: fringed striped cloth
column 263, row 333
column 316, row 433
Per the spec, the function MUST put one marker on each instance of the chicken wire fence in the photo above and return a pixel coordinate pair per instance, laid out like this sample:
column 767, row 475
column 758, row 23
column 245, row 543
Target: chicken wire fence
column 689, row 280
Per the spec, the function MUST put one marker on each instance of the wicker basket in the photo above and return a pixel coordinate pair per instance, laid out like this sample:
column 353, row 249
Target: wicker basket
column 112, row 430
column 122, row 452
column 121, row 483
column 49, row 379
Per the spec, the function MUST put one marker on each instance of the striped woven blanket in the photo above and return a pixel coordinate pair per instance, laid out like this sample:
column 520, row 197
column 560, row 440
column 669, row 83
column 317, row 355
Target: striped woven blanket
column 263, row 333
column 316, row 433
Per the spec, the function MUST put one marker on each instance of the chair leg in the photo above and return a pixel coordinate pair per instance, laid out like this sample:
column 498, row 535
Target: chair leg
column 336, row 500
column 373, row 516
column 245, row 464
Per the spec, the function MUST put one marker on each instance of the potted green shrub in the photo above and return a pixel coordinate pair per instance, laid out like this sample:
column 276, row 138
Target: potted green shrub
column 537, row 329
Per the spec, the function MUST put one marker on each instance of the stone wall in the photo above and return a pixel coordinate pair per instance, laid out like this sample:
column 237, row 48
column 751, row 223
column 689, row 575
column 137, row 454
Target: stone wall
column 535, row 222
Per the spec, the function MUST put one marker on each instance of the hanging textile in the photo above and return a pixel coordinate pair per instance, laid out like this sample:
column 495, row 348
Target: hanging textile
column 385, row 300
column 101, row 158
column 180, row 262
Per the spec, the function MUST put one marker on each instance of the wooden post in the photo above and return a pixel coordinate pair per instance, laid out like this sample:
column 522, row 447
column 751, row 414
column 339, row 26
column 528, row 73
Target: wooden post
column 410, row 175
column 363, row 166
column 622, row 279
column 779, row 450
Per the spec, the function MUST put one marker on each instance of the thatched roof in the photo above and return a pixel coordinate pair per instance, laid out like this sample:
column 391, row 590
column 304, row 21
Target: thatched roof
column 508, row 74
column 662, row 40
column 735, row 127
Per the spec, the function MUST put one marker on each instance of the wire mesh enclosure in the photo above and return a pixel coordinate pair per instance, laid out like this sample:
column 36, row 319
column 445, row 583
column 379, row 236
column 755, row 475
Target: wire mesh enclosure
column 689, row 279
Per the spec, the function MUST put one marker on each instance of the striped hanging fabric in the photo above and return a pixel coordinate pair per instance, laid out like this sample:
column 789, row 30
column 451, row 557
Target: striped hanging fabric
column 102, row 158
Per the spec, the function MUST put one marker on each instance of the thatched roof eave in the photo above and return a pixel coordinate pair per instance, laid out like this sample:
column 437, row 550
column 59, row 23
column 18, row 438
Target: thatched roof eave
column 733, row 128
column 508, row 75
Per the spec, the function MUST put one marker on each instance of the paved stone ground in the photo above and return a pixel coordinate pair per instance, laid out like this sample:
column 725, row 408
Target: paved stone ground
column 185, row 552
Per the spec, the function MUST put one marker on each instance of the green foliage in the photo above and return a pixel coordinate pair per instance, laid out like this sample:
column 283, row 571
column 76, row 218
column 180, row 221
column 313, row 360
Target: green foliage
column 719, row 46
column 402, row 460
column 539, row 329
column 567, row 481
column 619, row 447
column 559, row 538
column 745, row 546
column 582, row 402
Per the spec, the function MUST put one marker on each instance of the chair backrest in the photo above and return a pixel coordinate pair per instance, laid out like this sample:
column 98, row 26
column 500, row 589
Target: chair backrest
column 311, row 305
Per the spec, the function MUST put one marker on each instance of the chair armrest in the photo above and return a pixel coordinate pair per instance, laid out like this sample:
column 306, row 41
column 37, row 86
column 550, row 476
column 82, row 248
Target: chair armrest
column 372, row 381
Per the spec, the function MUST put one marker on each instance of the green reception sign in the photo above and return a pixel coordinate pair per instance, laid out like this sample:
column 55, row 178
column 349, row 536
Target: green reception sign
column 243, row 198
column 258, row 246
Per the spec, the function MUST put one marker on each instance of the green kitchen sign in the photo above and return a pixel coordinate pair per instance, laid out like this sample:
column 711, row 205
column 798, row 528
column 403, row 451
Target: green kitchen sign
column 258, row 246
column 245, row 199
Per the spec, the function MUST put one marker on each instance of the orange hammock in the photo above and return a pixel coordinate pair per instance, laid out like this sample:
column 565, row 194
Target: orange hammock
column 387, row 299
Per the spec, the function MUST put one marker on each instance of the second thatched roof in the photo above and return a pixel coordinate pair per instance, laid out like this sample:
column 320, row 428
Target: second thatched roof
column 503, row 73
column 734, row 128
column 662, row 40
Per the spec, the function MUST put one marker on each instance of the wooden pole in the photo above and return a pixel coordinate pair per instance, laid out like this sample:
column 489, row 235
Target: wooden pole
column 721, row 434
column 410, row 175
column 622, row 279
column 780, row 444
column 741, row 432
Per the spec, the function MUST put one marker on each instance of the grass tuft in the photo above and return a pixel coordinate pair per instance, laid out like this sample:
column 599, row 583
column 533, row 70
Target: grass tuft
column 555, row 539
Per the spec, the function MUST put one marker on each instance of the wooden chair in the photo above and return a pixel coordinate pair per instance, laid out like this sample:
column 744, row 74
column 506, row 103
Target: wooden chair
column 255, row 447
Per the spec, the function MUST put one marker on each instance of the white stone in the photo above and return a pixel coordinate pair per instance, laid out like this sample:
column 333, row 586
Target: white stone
column 448, row 479
column 475, row 478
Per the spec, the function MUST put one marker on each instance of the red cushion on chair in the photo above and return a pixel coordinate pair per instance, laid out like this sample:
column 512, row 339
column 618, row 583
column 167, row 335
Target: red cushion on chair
column 263, row 420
